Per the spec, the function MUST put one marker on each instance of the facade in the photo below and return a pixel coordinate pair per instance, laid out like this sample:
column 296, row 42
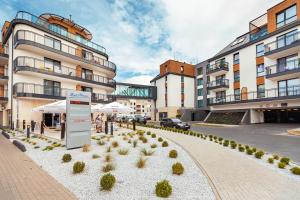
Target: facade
column 141, row 107
column 258, row 73
column 175, row 89
column 47, row 56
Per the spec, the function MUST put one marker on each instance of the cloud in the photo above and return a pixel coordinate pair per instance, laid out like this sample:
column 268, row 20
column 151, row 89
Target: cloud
column 142, row 80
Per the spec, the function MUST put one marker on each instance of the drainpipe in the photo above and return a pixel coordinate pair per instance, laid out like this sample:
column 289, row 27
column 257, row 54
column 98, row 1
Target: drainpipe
column 11, row 82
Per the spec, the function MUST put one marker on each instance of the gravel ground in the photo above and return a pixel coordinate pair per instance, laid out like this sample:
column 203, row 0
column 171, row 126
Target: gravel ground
column 132, row 183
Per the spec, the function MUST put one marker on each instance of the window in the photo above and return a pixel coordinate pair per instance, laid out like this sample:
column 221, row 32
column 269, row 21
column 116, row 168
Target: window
column 181, row 69
column 200, row 71
column 182, row 79
column 200, row 103
column 87, row 74
column 199, row 81
column 287, row 16
column 200, row 92
column 287, row 63
column 59, row 29
column 182, row 90
column 237, row 94
column 260, row 50
column 260, row 70
column 260, row 91
column 236, row 58
column 52, row 88
column 221, row 96
column 53, row 43
column 87, row 89
column 52, row 65
column 287, row 39
column 86, row 55
column 208, row 78
column 236, row 76
column 289, row 87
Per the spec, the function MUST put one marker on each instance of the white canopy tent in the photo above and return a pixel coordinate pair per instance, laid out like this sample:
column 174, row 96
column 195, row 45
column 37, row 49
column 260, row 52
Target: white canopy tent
column 55, row 107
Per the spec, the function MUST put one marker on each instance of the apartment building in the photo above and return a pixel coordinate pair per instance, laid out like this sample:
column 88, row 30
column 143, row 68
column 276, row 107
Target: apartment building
column 175, row 89
column 141, row 107
column 257, row 76
column 46, row 56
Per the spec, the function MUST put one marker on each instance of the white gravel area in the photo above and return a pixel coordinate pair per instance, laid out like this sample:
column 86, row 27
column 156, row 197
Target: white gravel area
column 132, row 183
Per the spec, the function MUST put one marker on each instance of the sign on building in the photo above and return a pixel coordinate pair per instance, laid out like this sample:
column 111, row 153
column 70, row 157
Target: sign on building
column 78, row 126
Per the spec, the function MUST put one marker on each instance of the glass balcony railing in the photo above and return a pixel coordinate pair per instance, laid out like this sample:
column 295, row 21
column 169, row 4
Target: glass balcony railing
column 217, row 67
column 282, row 41
column 44, row 23
column 61, row 47
column 269, row 94
column 279, row 68
column 50, row 67
column 218, row 83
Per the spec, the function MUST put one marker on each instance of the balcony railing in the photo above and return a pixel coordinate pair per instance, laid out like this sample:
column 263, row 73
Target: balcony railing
column 48, row 67
column 43, row 91
column 279, row 43
column 289, row 66
column 218, row 83
column 58, row 46
column 217, row 67
column 270, row 94
column 44, row 23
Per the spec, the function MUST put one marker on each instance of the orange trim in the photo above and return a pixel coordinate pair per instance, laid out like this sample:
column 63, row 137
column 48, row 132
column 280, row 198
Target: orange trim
column 78, row 71
column 2, row 70
column 78, row 52
column 236, row 67
column 5, row 28
column 78, row 87
column 260, row 80
column 175, row 67
column 236, row 84
column 244, row 93
column 260, row 60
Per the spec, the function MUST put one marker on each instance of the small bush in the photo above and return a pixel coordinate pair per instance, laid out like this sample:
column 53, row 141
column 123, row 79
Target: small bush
column 141, row 163
column 163, row 189
column 78, row 167
column 66, row 157
column 147, row 153
column 259, row 154
column 107, row 181
column 95, row 156
column 285, row 160
column 177, row 168
column 144, row 140
column 115, row 144
column 153, row 135
column 148, row 133
column 295, row 170
column 276, row 157
column 123, row 152
column 48, row 148
column 108, row 167
column 108, row 158
column 135, row 143
column 281, row 165
column 249, row 151
column 129, row 141
column 173, row 154
column 153, row 146
column 241, row 149
column 271, row 160
column 160, row 139
column 165, row 144
column 86, row 148
column 233, row 145
column 226, row 143
column 37, row 147
column 101, row 142
column 254, row 149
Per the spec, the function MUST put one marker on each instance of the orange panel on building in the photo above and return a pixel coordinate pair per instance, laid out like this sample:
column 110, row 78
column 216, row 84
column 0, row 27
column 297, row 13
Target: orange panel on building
column 260, row 60
column 78, row 87
column 78, row 71
column 173, row 66
column 260, row 80
column 278, row 8
column 4, row 28
column 236, row 85
column 236, row 67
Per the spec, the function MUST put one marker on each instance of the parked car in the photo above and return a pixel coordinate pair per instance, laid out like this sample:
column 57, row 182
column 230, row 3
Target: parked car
column 141, row 119
column 174, row 123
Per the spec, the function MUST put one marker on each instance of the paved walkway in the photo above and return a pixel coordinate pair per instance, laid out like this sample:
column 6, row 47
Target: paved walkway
column 235, row 176
column 21, row 178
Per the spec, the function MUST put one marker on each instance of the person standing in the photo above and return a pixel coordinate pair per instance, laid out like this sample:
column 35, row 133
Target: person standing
column 98, row 124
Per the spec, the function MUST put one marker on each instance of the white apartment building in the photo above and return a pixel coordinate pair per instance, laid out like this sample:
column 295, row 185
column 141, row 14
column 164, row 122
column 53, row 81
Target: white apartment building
column 141, row 107
column 258, row 73
column 47, row 56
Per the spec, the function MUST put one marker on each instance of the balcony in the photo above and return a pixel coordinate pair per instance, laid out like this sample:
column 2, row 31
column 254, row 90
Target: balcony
column 218, row 85
column 288, row 44
column 290, row 70
column 3, row 75
column 218, row 69
column 3, row 96
column 292, row 92
column 3, row 56
column 28, row 64
column 29, row 90
column 44, row 24
column 57, row 50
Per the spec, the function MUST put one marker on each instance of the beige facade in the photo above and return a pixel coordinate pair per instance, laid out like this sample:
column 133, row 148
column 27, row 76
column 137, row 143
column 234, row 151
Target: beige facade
column 141, row 106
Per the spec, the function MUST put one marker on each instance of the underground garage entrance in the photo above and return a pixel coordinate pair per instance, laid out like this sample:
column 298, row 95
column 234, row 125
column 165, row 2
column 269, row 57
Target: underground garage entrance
column 282, row 115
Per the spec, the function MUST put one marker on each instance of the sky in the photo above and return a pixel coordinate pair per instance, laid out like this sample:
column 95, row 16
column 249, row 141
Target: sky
column 139, row 35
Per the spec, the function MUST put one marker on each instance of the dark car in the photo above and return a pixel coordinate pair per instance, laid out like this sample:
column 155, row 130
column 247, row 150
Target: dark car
column 174, row 123
column 140, row 119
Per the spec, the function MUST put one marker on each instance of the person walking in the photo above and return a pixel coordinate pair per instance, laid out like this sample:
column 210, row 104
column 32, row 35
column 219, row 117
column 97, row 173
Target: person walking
column 98, row 124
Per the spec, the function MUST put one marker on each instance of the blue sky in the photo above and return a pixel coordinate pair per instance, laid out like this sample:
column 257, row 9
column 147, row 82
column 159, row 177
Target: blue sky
column 141, row 34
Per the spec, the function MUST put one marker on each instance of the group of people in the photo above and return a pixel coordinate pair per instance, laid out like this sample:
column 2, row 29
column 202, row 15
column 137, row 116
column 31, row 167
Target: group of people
column 98, row 122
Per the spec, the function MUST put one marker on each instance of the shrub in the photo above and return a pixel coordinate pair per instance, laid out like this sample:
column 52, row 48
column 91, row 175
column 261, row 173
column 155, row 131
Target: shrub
column 233, row 145
column 78, row 167
column 241, row 149
column 153, row 135
column 254, row 149
column 163, row 189
column 115, row 144
column 86, row 148
column 123, row 152
column 285, row 160
column 108, row 149
column 295, row 170
column 153, row 146
column 177, row 168
column 165, row 144
column 140, row 132
column 125, row 138
column 66, row 157
column 249, row 151
column 144, row 140
column 276, row 157
column 48, row 148
column 226, row 143
column 220, row 139
column 281, row 165
column 108, row 167
column 108, row 158
column 129, row 141
column 259, row 154
column 107, row 181
column 247, row 147
column 101, row 142
column 95, row 156
column 271, row 160
column 141, row 163
column 173, row 154
column 148, row 133
column 160, row 139
column 37, row 147
column 135, row 143
column 147, row 153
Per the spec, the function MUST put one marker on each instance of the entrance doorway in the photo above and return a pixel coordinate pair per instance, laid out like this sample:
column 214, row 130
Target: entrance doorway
column 51, row 119
column 282, row 116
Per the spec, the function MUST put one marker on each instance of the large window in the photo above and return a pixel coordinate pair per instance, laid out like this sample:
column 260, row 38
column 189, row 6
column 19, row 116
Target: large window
column 236, row 76
column 182, row 79
column 52, row 65
column 200, row 92
column 200, row 103
column 59, row 29
column 221, row 96
column 87, row 89
column 260, row 91
column 237, row 94
column 52, row 88
column 260, row 50
column 236, row 58
column 53, row 43
column 260, row 70
column 199, row 81
column 87, row 74
column 289, row 87
column 287, row 63
column 200, row 71
column 287, row 39
column 287, row 16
